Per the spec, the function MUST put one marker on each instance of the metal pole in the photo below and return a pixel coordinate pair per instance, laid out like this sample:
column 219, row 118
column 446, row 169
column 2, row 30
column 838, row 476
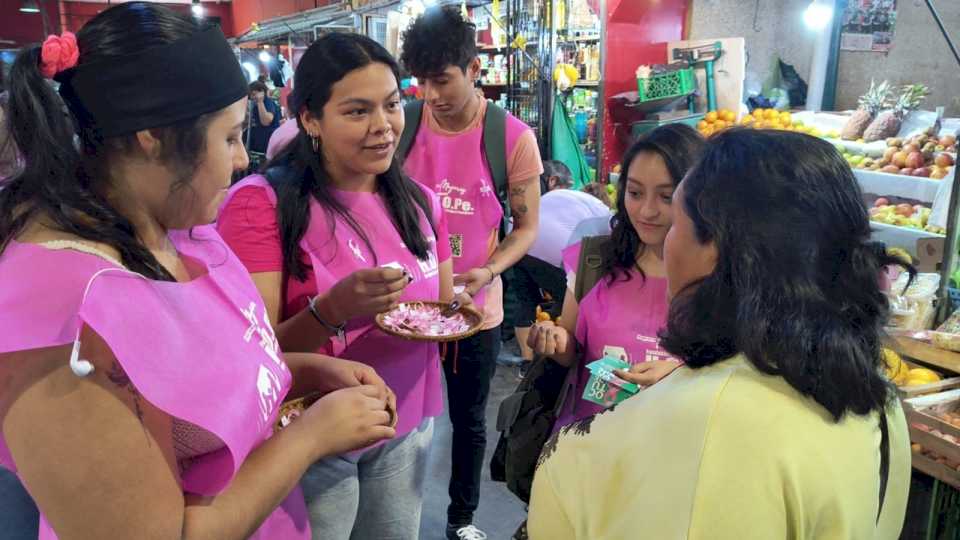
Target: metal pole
column 950, row 244
column 946, row 36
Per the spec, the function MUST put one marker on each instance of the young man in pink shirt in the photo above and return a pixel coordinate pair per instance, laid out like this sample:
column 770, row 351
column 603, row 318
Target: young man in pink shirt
column 447, row 155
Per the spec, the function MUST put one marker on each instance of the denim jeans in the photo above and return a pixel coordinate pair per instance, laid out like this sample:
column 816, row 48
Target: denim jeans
column 375, row 495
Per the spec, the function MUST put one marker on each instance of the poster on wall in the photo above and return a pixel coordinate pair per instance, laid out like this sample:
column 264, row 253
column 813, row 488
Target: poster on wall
column 868, row 25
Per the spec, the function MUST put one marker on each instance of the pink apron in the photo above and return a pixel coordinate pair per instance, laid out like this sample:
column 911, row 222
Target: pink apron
column 455, row 167
column 202, row 351
column 410, row 368
column 619, row 319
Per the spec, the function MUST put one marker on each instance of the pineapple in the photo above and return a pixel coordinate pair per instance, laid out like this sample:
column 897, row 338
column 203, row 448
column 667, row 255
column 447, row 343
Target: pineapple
column 888, row 124
column 871, row 103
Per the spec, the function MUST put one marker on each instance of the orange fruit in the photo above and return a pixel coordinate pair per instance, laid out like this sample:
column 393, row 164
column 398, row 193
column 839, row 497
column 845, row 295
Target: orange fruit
column 747, row 120
column 720, row 124
column 711, row 117
column 758, row 113
column 770, row 114
column 701, row 125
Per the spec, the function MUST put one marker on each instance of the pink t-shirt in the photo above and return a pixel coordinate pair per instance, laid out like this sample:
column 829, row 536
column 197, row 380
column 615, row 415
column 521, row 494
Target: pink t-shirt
column 202, row 351
column 454, row 165
column 619, row 319
column 248, row 222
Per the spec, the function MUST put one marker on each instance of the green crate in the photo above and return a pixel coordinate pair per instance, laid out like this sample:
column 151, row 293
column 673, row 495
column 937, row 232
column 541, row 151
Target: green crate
column 667, row 85
column 639, row 128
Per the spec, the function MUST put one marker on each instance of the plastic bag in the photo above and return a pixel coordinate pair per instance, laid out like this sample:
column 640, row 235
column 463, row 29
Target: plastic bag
column 913, row 309
column 795, row 86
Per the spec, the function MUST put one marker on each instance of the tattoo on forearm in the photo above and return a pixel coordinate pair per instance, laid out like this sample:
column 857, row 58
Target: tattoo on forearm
column 120, row 378
column 519, row 206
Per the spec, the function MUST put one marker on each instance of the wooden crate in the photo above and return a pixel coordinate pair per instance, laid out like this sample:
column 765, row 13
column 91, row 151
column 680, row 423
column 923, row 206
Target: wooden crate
column 925, row 411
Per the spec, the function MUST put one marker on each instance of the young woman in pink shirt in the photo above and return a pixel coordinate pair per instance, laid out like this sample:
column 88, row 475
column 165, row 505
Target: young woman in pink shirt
column 333, row 233
column 141, row 378
column 621, row 315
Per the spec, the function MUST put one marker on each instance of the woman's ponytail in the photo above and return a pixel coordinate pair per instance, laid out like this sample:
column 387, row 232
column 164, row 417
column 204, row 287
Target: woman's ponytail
column 40, row 123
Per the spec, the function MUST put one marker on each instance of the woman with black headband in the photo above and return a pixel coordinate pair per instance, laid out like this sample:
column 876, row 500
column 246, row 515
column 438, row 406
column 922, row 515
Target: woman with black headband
column 141, row 377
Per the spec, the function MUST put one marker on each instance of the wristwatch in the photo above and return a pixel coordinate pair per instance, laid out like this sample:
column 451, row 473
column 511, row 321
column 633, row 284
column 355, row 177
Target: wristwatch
column 339, row 330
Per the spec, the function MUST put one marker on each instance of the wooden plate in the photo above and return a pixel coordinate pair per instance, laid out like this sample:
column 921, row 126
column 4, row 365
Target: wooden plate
column 473, row 317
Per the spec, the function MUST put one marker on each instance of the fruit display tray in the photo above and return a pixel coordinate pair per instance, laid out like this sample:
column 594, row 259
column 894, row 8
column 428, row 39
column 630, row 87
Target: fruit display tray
column 910, row 187
column 901, row 237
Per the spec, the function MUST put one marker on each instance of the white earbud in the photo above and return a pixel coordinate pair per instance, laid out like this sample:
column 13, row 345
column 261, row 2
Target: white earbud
column 80, row 368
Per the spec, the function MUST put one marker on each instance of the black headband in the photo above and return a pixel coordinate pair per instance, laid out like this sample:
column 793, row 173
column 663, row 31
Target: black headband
column 155, row 87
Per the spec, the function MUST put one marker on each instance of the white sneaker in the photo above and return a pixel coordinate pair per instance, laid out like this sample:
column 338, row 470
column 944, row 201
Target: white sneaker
column 471, row 533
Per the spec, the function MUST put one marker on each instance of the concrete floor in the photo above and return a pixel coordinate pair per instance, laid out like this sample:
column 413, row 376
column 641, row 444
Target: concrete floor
column 499, row 514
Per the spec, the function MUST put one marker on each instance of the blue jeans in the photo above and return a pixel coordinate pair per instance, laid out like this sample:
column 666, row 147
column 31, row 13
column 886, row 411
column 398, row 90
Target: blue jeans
column 376, row 495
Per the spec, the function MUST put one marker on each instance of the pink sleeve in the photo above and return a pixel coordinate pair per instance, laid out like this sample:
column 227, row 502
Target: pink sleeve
column 571, row 257
column 248, row 224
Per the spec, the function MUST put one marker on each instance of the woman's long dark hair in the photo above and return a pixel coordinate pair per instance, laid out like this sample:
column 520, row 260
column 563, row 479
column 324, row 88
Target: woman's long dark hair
column 679, row 146
column 66, row 186
column 300, row 172
column 796, row 286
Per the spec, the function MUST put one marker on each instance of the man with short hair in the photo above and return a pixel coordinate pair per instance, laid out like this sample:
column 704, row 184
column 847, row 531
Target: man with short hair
column 265, row 117
column 448, row 155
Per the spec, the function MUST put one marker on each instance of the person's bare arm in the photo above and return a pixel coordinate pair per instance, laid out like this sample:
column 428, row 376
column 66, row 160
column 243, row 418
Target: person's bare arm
column 266, row 117
column 558, row 341
column 525, row 208
column 98, row 458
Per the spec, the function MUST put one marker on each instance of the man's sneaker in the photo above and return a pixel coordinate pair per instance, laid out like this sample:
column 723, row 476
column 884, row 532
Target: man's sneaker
column 465, row 532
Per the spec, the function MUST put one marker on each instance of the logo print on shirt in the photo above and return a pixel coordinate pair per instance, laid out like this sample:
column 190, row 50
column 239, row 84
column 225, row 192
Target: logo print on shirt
column 268, row 383
column 456, row 245
column 655, row 352
column 617, row 352
column 453, row 200
column 352, row 244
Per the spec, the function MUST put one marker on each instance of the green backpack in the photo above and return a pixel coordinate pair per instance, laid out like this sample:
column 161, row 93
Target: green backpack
column 494, row 140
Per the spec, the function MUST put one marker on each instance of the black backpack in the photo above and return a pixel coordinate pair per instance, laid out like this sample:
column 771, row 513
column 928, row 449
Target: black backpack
column 494, row 140
column 526, row 417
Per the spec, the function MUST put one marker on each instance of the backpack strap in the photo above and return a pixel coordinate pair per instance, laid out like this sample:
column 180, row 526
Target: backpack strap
column 412, row 113
column 495, row 149
column 590, row 264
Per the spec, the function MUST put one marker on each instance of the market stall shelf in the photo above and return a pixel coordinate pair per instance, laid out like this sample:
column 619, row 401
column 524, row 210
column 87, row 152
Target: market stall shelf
column 901, row 237
column 911, row 187
column 928, row 354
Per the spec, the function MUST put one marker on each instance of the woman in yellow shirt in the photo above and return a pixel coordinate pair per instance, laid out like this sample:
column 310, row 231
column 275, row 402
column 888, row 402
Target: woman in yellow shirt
column 781, row 424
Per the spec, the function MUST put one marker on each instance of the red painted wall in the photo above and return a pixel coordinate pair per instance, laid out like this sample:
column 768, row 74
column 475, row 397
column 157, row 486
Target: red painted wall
column 637, row 33
column 75, row 14
column 24, row 28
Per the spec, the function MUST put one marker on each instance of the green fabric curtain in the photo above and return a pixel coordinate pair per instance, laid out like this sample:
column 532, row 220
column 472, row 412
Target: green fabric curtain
column 564, row 146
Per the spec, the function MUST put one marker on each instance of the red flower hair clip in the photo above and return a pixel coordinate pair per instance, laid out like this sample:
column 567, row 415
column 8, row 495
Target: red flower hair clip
column 58, row 53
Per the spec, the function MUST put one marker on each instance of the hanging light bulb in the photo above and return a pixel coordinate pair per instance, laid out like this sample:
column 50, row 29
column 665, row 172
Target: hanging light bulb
column 196, row 8
column 818, row 15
